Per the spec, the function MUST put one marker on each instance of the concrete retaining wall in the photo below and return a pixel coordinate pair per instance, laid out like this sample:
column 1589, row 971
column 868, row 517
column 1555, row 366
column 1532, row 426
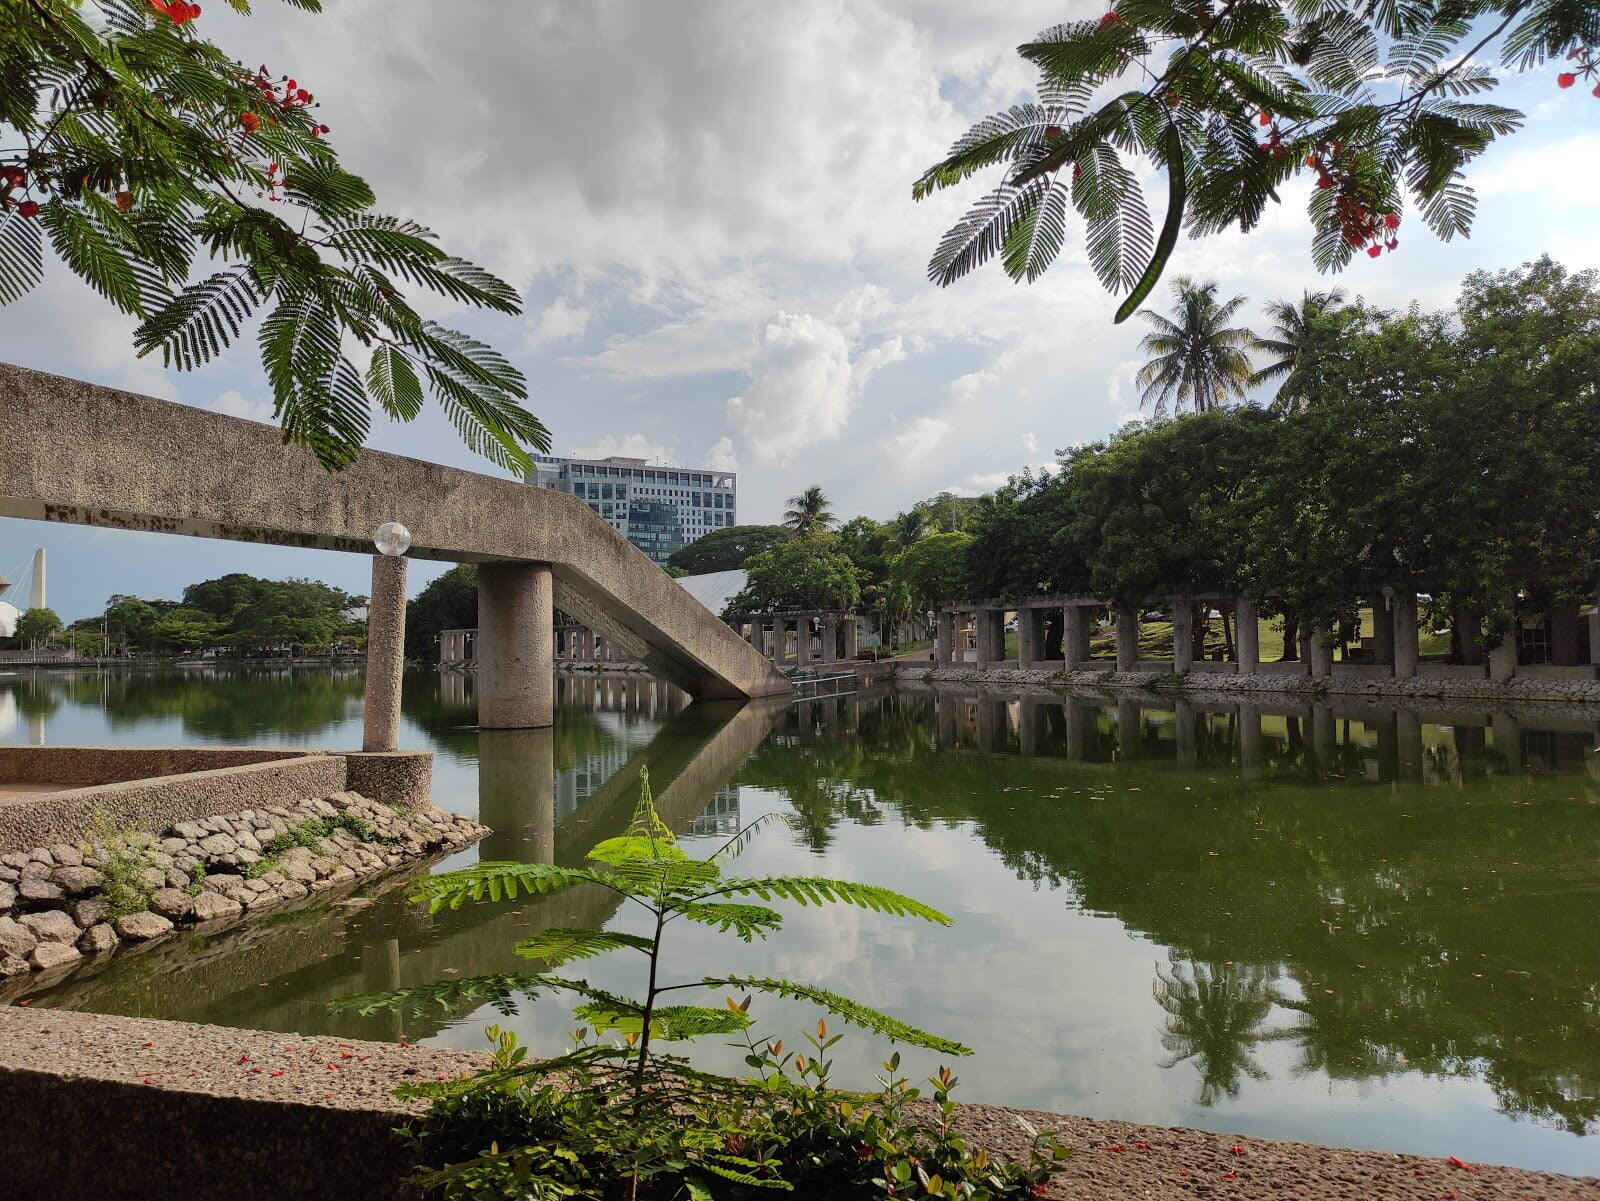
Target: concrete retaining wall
column 199, row 782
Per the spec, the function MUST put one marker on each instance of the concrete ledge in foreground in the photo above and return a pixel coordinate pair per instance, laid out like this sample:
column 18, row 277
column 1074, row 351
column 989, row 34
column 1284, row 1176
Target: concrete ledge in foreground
column 96, row 1108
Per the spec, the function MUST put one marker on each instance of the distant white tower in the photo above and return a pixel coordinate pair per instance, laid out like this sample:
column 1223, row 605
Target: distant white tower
column 36, row 601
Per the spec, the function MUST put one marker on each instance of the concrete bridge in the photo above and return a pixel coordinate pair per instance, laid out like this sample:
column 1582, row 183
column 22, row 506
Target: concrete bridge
column 75, row 452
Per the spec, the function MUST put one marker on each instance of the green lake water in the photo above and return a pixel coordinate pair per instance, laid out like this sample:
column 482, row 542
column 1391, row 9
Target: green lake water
column 1360, row 927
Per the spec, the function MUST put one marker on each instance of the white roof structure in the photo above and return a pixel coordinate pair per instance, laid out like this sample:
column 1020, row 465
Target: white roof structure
column 8, row 620
column 715, row 589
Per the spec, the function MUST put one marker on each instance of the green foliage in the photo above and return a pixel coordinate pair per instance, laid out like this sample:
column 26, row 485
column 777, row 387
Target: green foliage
column 308, row 832
column 447, row 603
column 809, row 571
column 809, row 512
column 616, row 1118
column 137, row 147
column 1412, row 450
column 37, row 625
column 1196, row 358
column 933, row 570
column 239, row 612
column 727, row 549
column 123, row 865
column 1377, row 103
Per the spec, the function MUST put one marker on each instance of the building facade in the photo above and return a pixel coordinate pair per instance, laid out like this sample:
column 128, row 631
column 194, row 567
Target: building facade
column 659, row 509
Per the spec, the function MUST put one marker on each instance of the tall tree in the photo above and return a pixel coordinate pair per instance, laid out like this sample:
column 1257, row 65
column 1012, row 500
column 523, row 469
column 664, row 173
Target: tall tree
column 806, row 572
column 809, row 512
column 1294, row 344
column 135, row 145
column 37, row 625
column 1197, row 359
column 1375, row 102
column 727, row 549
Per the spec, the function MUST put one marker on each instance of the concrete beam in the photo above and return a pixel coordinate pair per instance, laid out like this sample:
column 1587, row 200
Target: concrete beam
column 516, row 666
column 77, row 453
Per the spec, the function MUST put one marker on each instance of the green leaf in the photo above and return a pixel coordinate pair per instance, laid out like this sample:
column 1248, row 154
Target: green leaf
column 670, row 1022
column 1177, row 191
column 21, row 256
column 201, row 321
column 851, row 1011
column 497, row 881
column 496, row 990
column 84, row 247
column 393, row 383
column 817, row 890
column 561, row 944
column 747, row 921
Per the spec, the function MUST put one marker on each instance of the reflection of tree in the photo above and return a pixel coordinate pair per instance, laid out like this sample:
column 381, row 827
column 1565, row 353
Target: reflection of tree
column 1214, row 1016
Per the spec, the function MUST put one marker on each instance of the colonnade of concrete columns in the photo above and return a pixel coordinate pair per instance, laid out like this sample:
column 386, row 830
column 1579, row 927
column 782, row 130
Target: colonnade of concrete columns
column 1394, row 650
column 819, row 636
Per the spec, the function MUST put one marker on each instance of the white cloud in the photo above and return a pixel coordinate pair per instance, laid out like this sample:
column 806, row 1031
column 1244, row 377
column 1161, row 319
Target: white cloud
column 801, row 388
column 918, row 439
column 235, row 404
column 1030, row 443
column 557, row 323
column 721, row 457
column 633, row 446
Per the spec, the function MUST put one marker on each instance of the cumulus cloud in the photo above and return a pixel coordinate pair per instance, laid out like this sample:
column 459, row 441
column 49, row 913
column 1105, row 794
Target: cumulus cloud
column 721, row 457
column 560, row 321
column 1030, row 443
column 632, row 446
column 801, row 388
column 235, row 404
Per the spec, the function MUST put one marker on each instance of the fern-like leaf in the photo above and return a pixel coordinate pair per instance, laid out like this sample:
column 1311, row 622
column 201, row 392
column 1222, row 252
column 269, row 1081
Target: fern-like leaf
column 21, row 256
column 817, row 890
column 562, row 944
column 749, row 922
column 853, row 1012
column 495, row 881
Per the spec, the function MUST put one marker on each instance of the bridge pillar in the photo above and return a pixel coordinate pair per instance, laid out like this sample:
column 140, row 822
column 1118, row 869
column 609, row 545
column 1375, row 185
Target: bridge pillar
column 516, row 662
column 386, row 654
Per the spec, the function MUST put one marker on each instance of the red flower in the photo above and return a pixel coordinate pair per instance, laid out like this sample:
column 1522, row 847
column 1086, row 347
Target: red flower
column 1392, row 220
column 177, row 11
column 29, row 208
column 1566, row 79
column 1110, row 19
column 250, row 122
column 1052, row 131
column 1265, row 119
column 1374, row 251
column 1236, row 1150
column 1597, row 90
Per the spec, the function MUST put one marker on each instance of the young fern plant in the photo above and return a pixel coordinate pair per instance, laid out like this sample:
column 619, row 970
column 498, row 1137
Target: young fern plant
column 619, row 1117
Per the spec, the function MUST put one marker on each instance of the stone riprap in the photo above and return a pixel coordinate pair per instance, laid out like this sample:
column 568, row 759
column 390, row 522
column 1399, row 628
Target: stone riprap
column 63, row 904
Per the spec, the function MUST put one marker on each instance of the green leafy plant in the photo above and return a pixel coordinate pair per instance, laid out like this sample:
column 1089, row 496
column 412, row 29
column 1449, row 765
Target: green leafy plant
column 135, row 145
column 617, row 1118
column 197, row 879
column 123, row 864
column 1233, row 99
column 306, row 834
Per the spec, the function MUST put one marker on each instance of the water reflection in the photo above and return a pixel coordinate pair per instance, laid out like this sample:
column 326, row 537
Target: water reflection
column 1339, row 922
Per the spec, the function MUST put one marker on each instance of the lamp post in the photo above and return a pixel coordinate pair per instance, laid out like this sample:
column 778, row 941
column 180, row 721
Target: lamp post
column 386, row 638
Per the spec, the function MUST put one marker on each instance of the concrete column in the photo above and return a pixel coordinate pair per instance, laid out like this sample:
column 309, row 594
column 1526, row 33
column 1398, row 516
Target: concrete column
column 1404, row 616
column 1304, row 649
column 516, row 668
column 803, row 655
column 777, row 638
column 1074, row 638
column 1247, row 639
column 1382, row 630
column 1503, row 658
column 1252, row 749
column 1564, row 634
column 1594, row 635
column 386, row 654
column 1321, row 654
column 1030, row 637
column 852, row 629
column 1182, row 636
column 1127, row 639
column 830, row 638
column 944, row 638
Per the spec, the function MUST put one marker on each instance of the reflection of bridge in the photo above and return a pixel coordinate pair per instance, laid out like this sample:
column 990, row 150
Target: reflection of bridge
column 310, row 960
column 1069, row 727
column 78, row 453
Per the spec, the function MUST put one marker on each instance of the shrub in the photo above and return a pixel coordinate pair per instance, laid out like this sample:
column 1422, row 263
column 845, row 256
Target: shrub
column 617, row 1119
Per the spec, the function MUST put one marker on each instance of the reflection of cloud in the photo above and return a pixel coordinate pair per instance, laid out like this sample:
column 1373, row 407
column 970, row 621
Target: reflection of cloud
column 8, row 713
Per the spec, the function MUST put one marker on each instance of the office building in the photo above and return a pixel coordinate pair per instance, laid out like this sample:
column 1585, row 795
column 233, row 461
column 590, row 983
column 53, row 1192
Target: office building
column 658, row 509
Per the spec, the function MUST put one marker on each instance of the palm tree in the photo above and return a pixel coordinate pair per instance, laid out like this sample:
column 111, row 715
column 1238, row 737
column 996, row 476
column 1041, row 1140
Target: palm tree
column 1197, row 359
column 809, row 512
column 1292, row 343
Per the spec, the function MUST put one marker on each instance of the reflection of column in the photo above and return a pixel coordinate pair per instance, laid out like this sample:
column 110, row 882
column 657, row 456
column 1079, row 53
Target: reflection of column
column 1127, row 639
column 944, row 638
column 991, row 724
column 1387, row 726
column 1469, row 743
column 1127, row 729
column 380, row 972
column 1409, row 730
column 36, row 729
column 945, row 712
column 1252, row 750
column 1031, row 715
column 1184, row 715
column 1324, row 733
column 1075, row 637
column 1182, row 635
column 517, row 794
column 1080, row 717
column 1507, row 739
column 1247, row 636
column 1404, row 616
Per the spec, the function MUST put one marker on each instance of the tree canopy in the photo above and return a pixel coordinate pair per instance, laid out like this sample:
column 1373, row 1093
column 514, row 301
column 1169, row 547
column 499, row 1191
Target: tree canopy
column 37, row 625
column 808, row 571
column 136, row 147
column 447, row 603
column 237, row 612
column 1380, row 104
column 727, row 549
column 809, row 512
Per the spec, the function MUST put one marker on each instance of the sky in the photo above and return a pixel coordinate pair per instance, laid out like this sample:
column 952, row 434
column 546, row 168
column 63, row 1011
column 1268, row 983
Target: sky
column 707, row 207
